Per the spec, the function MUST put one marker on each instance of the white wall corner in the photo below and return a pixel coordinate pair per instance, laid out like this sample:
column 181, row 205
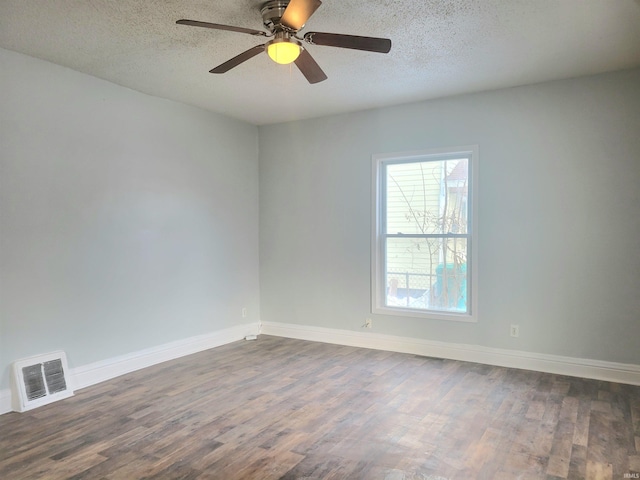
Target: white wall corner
column 575, row 367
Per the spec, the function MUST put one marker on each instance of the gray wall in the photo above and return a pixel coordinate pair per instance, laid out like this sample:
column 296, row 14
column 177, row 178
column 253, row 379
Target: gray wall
column 558, row 223
column 126, row 221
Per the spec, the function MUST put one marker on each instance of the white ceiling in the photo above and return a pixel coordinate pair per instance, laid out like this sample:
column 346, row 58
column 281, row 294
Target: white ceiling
column 440, row 48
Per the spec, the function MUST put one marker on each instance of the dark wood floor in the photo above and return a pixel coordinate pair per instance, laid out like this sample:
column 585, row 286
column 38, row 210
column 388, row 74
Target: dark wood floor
column 290, row 409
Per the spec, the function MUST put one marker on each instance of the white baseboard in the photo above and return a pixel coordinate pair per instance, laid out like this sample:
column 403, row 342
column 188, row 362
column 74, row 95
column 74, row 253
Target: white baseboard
column 5, row 401
column 87, row 375
column 97, row 372
column 574, row 367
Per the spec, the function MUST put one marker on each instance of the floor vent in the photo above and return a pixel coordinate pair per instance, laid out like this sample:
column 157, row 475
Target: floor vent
column 40, row 380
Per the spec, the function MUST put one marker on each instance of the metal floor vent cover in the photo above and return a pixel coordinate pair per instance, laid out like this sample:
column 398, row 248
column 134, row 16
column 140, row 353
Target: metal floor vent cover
column 40, row 380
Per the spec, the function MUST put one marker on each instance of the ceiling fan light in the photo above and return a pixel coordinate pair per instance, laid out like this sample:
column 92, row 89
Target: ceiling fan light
column 283, row 51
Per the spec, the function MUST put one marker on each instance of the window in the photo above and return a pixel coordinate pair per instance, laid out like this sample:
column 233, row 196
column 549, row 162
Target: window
column 424, row 234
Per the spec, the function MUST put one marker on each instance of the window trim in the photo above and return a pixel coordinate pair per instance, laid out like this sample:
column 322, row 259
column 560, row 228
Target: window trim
column 378, row 287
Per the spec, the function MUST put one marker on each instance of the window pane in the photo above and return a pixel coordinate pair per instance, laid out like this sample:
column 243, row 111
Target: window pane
column 428, row 197
column 417, row 275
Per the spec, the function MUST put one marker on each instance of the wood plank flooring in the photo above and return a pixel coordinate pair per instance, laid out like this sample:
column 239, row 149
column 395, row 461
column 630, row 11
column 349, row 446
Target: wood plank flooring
column 289, row 409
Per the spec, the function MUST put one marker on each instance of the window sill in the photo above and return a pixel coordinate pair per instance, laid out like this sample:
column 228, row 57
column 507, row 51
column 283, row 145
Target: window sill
column 427, row 315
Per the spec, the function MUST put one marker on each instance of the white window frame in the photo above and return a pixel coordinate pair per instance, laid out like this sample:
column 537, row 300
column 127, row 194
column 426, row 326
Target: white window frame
column 378, row 284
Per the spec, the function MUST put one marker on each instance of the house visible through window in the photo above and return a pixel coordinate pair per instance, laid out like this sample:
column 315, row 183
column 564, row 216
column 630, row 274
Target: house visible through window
column 422, row 259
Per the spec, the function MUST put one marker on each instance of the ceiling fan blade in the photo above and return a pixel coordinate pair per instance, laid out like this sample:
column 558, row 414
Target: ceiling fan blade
column 217, row 26
column 298, row 12
column 369, row 44
column 309, row 68
column 237, row 60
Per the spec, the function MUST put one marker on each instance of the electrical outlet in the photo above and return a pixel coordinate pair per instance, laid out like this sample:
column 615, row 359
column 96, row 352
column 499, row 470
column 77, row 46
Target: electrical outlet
column 367, row 323
column 515, row 330
column 244, row 312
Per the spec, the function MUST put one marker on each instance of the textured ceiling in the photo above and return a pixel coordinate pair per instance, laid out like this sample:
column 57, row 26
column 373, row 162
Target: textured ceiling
column 440, row 48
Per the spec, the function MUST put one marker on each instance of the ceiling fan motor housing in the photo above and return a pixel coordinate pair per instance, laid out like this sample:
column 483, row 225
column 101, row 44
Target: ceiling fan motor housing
column 272, row 12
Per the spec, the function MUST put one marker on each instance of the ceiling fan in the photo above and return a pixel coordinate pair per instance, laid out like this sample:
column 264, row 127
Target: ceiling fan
column 284, row 19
